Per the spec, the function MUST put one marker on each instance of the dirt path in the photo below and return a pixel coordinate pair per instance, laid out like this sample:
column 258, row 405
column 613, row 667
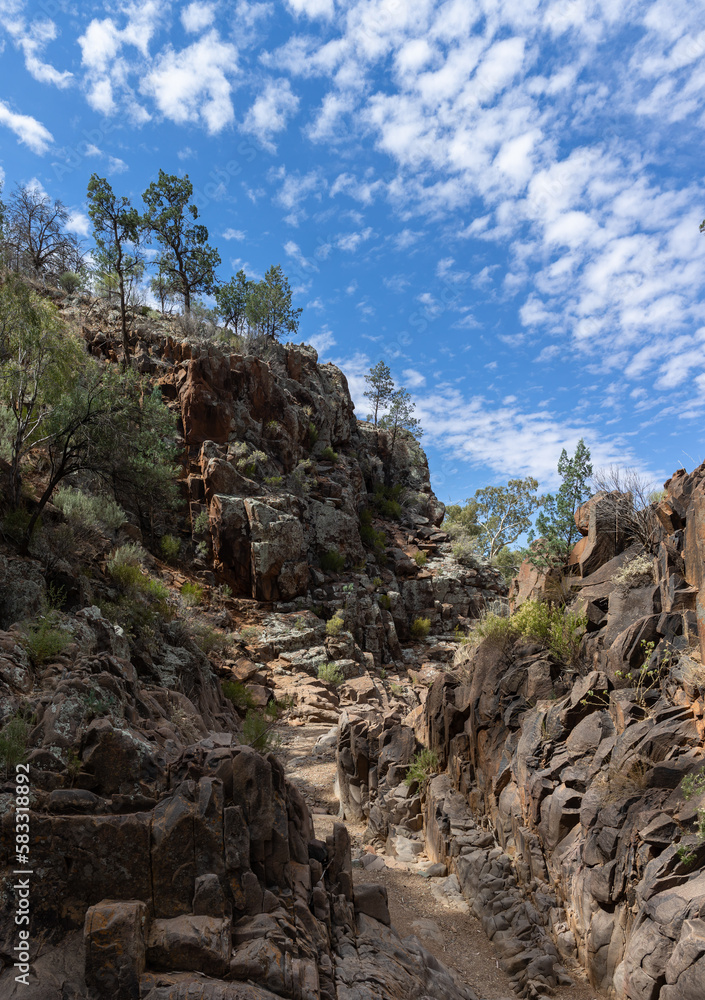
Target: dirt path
column 441, row 924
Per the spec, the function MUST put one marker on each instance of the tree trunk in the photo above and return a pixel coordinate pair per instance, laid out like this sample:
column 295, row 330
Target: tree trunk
column 123, row 322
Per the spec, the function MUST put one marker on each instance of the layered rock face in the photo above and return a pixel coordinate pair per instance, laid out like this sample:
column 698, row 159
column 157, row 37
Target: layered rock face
column 561, row 809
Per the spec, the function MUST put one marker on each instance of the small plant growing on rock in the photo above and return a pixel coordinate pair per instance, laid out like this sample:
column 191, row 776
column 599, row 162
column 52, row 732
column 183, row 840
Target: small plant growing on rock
column 200, row 523
column 44, row 639
column 192, row 593
column 693, row 785
column 250, row 633
column 238, row 694
column 636, row 572
column 183, row 722
column 257, row 732
column 396, row 689
column 273, row 481
column 169, row 546
column 374, row 539
column 423, row 765
column 87, row 511
column 377, row 582
column 335, row 625
column 13, row 743
column 312, row 434
column 420, row 627
column 330, row 673
column 384, row 601
column 332, row 561
column 328, row 455
column 300, row 624
column 420, row 558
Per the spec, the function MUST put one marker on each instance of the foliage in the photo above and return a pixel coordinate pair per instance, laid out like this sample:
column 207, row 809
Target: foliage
column 423, row 765
column 386, row 501
column 201, row 523
column 555, row 526
column 636, row 571
column 142, row 602
column 273, row 481
column 380, row 388
column 420, row 557
column 420, row 627
column 330, row 673
column 257, row 732
column 117, row 230
column 39, row 360
column 312, row 434
column 14, row 736
column 89, row 510
column 653, row 670
column 557, row 628
column 238, row 694
column 231, row 299
column 370, row 536
column 192, row 593
column 693, row 785
column 269, row 311
column 384, row 601
column 400, row 417
column 70, row 282
column 249, row 634
column 628, row 507
column 332, row 561
column 377, row 581
column 43, row 639
column 495, row 516
column 508, row 561
column 335, row 625
column 328, row 455
column 187, row 260
column 169, row 546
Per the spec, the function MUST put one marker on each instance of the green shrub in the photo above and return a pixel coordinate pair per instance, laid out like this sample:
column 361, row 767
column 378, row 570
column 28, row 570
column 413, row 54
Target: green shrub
column 274, row 481
column 201, row 523
column 312, row 434
column 420, row 558
column 693, row 784
column 377, row 582
column 335, row 625
column 238, row 694
column 169, row 547
column 89, row 511
column 258, row 731
column 300, row 624
column 422, row 766
column 70, row 282
column 272, row 426
column 376, row 540
column 332, row 561
column 192, row 593
column 328, row 455
column 130, row 554
column 330, row 673
column 13, row 743
column 556, row 628
column 209, row 639
column 420, row 627
column 44, row 640
column 385, row 601
column 15, row 524
column 250, row 633
column 639, row 570
column 385, row 501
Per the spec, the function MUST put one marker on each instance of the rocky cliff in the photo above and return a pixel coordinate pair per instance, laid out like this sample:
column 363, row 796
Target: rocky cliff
column 562, row 808
column 168, row 857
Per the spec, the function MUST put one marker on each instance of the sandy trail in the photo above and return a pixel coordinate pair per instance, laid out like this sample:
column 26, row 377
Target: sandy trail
column 455, row 937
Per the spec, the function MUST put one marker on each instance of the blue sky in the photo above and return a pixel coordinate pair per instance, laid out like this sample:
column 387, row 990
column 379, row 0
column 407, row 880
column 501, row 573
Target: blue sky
column 501, row 199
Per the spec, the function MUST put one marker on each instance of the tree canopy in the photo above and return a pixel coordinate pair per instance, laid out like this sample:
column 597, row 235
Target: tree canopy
column 187, row 260
column 380, row 388
column 35, row 240
column 556, row 532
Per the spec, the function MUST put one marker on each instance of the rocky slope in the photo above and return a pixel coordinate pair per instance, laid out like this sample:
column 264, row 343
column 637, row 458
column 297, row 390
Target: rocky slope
column 561, row 808
column 169, row 858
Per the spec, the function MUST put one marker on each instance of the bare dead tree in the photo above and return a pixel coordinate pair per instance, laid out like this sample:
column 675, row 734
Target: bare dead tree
column 627, row 506
column 36, row 242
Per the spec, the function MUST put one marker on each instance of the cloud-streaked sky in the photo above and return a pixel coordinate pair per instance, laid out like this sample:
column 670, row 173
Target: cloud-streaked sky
column 501, row 198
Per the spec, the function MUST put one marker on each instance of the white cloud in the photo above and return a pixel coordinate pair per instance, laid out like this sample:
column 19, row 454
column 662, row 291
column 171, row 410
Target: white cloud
column 322, row 341
column 312, row 8
column 270, row 112
column 32, row 39
column 413, row 379
column 193, row 85
column 116, row 165
column 197, row 16
column 234, row 234
column 79, row 223
column 28, row 130
column 294, row 189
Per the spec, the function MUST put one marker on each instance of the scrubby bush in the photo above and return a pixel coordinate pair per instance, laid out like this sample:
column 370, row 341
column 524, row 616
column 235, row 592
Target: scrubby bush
column 328, row 455
column 370, row 536
column 422, row 766
column 386, row 501
column 273, row 481
column 639, row 570
column 201, row 523
column 385, row 601
column 258, row 731
column 192, row 593
column 209, row 639
column 43, row 640
column 13, row 743
column 238, row 694
column 250, row 633
column 332, row 561
column 312, row 434
column 143, row 603
column 557, row 628
column 330, row 673
column 420, row 627
column 89, row 511
column 70, row 282
column 420, row 558
column 377, row 582
column 169, row 547
column 335, row 625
